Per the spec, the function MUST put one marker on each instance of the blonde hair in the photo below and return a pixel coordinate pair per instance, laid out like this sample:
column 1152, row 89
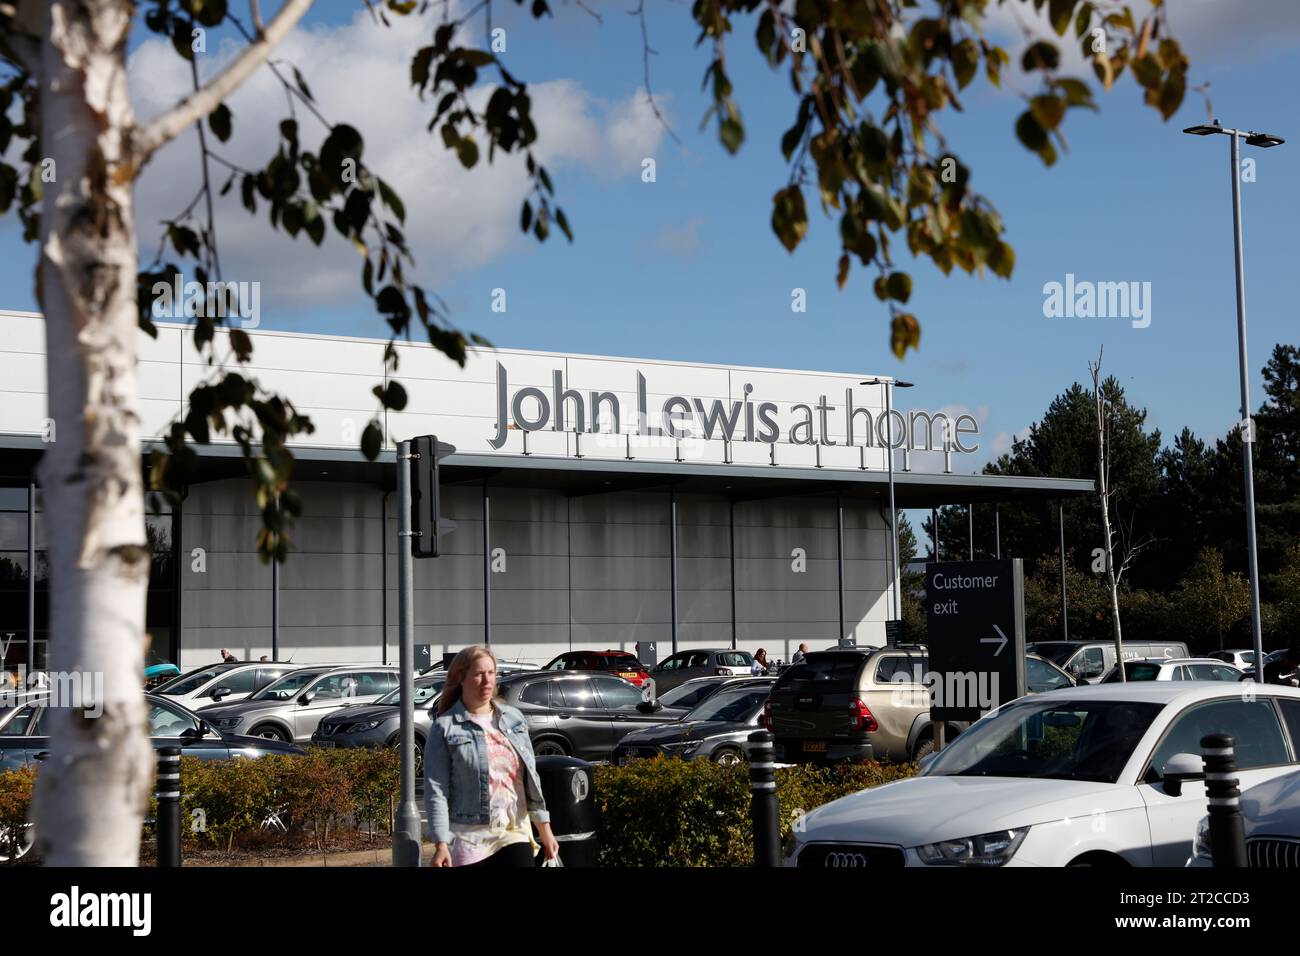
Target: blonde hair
column 456, row 671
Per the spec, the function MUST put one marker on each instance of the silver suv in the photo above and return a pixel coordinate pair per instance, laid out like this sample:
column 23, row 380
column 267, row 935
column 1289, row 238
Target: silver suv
column 222, row 683
column 291, row 708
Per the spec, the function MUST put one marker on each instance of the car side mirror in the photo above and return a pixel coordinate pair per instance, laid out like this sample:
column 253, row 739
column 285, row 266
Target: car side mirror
column 306, row 698
column 221, row 692
column 649, row 706
column 1179, row 769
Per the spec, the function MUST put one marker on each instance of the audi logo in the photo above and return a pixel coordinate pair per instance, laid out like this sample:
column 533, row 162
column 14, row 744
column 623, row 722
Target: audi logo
column 845, row 860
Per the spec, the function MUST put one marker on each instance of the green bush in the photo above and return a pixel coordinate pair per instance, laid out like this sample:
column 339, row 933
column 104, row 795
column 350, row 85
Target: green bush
column 15, row 801
column 670, row 812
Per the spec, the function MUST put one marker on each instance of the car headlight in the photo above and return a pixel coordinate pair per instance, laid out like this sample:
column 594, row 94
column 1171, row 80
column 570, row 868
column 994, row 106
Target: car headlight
column 1201, row 848
column 987, row 849
column 225, row 723
column 364, row 725
column 683, row 747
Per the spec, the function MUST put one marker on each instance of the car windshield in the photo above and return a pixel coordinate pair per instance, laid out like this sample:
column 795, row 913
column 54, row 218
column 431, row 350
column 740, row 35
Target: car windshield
column 688, row 694
column 191, row 681
column 287, row 686
column 1052, row 739
column 730, row 704
column 425, row 691
column 1135, row 670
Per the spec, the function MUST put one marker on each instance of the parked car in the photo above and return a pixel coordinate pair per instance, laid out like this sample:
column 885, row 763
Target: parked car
column 1271, row 818
column 1099, row 776
column 503, row 667
column 683, row 698
column 845, row 704
column 290, row 708
column 1174, row 668
column 1090, row 660
column 700, row 662
column 24, row 739
column 579, row 714
column 715, row 730
column 222, row 683
column 619, row 663
column 379, row 724
column 156, row 674
column 1240, row 659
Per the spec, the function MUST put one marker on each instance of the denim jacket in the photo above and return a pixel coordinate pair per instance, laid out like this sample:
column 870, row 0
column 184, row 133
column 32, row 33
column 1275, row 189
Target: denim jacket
column 456, row 784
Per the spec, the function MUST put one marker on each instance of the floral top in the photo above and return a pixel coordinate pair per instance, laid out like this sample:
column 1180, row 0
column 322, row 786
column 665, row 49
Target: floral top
column 507, row 800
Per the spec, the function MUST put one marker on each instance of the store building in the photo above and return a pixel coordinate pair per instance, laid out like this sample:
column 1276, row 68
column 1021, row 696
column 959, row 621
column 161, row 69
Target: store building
column 600, row 502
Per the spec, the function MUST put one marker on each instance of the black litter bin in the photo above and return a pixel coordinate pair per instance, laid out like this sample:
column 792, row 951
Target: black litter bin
column 568, row 785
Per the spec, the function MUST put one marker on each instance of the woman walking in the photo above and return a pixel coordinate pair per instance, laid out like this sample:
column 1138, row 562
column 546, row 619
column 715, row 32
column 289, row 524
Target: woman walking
column 480, row 777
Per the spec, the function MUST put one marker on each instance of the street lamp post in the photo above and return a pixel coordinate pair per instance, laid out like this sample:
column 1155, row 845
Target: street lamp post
column 888, row 386
column 1265, row 141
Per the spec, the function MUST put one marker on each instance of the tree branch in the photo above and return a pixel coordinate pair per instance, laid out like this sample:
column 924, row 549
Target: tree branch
column 196, row 106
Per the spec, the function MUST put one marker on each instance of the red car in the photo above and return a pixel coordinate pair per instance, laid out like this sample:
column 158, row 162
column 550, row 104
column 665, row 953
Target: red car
column 619, row 663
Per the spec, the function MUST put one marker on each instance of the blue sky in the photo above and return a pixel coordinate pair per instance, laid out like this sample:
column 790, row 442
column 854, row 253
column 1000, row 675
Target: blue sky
column 687, row 267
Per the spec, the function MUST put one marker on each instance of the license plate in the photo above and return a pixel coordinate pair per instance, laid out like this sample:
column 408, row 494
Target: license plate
column 630, row 676
column 814, row 746
column 325, row 743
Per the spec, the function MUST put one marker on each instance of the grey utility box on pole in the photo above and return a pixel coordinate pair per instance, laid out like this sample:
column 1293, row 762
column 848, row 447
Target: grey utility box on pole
column 418, row 526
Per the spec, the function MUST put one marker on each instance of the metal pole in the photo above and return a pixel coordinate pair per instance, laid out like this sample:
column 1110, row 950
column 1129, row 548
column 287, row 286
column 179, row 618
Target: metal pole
column 487, row 566
column 970, row 528
column 1227, row 831
column 406, row 839
column 383, row 572
column 731, row 532
column 893, row 513
column 1065, row 604
column 839, row 557
column 1248, row 436
column 997, row 532
column 168, row 791
column 672, row 559
column 31, row 581
column 275, row 603
column 764, row 812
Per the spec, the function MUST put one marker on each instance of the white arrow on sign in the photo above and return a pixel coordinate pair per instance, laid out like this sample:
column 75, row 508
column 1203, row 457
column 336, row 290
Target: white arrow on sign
column 1000, row 640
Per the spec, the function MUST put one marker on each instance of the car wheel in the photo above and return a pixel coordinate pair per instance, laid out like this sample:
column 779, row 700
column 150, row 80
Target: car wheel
column 395, row 742
column 923, row 749
column 269, row 732
column 727, row 756
column 25, row 840
column 550, row 747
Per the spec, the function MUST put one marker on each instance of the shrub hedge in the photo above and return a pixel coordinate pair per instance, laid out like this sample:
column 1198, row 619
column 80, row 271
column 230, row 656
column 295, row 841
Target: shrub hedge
column 660, row 812
column 670, row 812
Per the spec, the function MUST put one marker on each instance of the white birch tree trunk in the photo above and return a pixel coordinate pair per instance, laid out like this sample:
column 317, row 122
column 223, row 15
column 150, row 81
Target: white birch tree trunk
column 1103, row 481
column 92, row 790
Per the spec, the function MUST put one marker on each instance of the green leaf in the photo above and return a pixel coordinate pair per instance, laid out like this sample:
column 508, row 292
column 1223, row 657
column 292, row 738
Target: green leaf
column 1048, row 110
column 391, row 200
column 467, row 152
column 562, row 221
column 391, row 396
column 1060, row 12
column 965, row 60
column 219, row 122
column 372, row 441
column 732, row 133
column 789, row 217
column 302, row 84
column 904, row 333
column 1041, row 56
column 899, row 286
column 526, row 217
column 1031, row 132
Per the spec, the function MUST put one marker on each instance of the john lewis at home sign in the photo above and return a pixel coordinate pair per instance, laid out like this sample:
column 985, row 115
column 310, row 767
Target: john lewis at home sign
column 749, row 419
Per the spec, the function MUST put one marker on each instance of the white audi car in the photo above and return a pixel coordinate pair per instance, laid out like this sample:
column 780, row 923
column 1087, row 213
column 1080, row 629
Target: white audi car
column 1271, row 820
column 1101, row 775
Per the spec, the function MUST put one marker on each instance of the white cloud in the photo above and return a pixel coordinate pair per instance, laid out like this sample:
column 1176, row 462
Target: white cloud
column 358, row 72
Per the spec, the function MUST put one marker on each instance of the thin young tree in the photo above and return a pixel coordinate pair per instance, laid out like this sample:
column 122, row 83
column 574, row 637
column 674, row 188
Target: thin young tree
column 870, row 81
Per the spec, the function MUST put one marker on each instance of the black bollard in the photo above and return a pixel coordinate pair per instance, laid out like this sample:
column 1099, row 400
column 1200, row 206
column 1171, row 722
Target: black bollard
column 1227, row 831
column 168, row 792
column 763, row 805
